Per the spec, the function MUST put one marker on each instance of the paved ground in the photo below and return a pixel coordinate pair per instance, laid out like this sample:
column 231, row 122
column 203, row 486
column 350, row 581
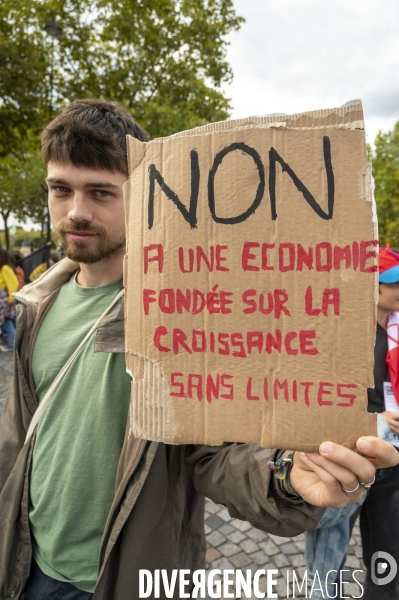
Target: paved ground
column 234, row 544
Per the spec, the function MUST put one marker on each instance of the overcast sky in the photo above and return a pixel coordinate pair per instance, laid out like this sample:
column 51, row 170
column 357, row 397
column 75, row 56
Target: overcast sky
column 296, row 55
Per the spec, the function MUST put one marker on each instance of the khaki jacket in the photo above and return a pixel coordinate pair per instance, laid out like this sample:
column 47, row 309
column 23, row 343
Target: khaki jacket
column 156, row 520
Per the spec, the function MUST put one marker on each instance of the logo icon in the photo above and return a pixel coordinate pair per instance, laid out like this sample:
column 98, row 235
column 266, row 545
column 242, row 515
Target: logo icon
column 383, row 568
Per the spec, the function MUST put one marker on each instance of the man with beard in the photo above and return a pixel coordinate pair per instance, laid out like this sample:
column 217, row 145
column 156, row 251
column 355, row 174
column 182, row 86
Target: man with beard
column 83, row 507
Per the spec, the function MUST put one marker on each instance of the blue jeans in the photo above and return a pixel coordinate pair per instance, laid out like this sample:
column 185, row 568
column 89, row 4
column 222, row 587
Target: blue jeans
column 41, row 587
column 8, row 328
column 326, row 549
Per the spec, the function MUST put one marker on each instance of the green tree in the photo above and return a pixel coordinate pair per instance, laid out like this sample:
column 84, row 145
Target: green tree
column 385, row 161
column 21, row 186
column 23, row 65
column 163, row 59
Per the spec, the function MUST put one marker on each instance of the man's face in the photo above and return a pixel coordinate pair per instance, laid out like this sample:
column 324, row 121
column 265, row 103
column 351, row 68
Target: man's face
column 87, row 211
column 389, row 297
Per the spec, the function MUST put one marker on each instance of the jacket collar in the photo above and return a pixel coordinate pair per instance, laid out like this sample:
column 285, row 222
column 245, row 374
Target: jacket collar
column 50, row 281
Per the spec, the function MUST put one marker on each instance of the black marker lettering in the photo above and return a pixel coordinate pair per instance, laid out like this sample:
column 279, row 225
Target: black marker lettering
column 211, row 183
column 275, row 157
column 189, row 215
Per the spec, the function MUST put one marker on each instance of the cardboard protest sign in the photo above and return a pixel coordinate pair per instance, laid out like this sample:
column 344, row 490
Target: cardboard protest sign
column 251, row 282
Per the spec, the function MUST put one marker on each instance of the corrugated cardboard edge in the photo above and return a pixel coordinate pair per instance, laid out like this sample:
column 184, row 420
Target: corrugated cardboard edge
column 149, row 417
column 366, row 193
column 345, row 117
column 348, row 116
column 134, row 158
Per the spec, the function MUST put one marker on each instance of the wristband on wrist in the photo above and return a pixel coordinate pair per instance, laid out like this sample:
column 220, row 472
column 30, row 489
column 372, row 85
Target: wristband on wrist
column 281, row 469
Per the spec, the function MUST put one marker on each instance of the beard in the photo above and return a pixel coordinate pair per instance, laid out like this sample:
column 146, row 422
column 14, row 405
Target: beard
column 103, row 246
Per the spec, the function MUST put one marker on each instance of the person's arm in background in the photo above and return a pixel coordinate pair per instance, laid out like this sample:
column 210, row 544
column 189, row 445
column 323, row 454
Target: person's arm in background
column 375, row 395
column 392, row 420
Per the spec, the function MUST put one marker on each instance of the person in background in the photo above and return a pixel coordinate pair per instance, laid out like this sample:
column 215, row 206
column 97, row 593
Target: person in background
column 325, row 551
column 379, row 517
column 8, row 285
column 19, row 272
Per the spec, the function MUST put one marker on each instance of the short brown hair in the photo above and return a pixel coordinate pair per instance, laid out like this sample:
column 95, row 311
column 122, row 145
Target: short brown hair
column 91, row 133
column 4, row 258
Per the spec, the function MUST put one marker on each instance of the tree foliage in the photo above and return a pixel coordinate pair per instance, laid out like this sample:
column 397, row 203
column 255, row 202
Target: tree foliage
column 385, row 161
column 23, row 65
column 21, row 186
column 162, row 59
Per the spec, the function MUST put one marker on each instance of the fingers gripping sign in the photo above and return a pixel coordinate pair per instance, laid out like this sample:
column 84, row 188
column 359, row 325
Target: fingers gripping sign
column 322, row 482
column 338, row 476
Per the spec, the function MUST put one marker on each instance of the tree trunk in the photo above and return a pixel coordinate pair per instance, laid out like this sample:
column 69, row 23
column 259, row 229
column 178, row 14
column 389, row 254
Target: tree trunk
column 5, row 216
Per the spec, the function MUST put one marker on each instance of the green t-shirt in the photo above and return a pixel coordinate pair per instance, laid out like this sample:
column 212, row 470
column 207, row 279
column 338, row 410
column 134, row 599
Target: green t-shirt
column 79, row 437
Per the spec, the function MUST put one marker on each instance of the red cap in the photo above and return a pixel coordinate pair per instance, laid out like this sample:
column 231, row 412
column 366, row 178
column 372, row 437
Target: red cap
column 388, row 266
